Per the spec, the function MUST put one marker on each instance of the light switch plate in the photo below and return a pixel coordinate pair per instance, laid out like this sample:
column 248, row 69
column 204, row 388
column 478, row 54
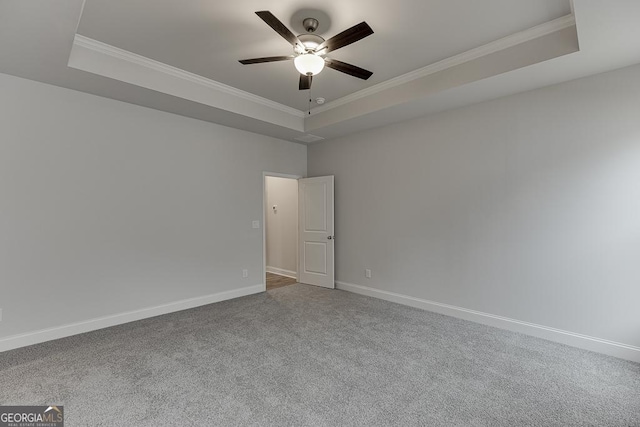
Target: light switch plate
column 255, row 224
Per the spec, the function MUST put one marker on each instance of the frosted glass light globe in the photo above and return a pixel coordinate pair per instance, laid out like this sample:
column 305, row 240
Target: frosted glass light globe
column 308, row 64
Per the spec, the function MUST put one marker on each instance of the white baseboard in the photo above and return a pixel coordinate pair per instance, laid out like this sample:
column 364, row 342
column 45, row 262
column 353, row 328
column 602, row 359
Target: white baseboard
column 282, row 272
column 30, row 338
column 611, row 348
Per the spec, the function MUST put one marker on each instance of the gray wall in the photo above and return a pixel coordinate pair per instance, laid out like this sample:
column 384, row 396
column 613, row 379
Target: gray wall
column 281, row 224
column 526, row 207
column 107, row 207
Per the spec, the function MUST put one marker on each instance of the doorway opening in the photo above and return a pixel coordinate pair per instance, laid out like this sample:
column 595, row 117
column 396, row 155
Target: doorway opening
column 280, row 230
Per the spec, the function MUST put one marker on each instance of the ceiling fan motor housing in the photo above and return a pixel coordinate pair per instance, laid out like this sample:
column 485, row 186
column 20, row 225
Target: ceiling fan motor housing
column 310, row 41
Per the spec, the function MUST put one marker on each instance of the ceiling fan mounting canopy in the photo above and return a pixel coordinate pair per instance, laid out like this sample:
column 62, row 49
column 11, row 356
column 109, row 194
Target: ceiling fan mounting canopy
column 310, row 24
column 310, row 48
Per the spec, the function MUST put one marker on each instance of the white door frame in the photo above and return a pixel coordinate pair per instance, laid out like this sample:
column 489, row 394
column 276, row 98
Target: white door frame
column 264, row 223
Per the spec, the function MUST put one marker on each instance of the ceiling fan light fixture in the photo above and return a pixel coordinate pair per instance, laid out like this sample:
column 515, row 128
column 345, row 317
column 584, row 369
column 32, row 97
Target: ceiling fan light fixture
column 309, row 49
column 308, row 64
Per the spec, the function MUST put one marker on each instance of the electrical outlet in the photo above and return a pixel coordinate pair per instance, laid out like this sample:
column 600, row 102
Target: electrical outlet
column 245, row 273
column 0, row 315
column 367, row 273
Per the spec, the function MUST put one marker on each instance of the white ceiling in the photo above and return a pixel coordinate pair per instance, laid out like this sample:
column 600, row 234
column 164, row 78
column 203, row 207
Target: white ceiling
column 38, row 41
column 208, row 38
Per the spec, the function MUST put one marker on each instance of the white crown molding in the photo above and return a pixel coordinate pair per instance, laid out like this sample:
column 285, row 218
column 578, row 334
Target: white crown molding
column 487, row 49
column 599, row 345
column 106, row 49
column 470, row 55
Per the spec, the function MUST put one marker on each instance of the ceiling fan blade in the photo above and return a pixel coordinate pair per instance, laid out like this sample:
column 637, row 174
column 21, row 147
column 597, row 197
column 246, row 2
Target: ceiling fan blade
column 351, row 35
column 305, row 82
column 352, row 70
column 267, row 59
column 279, row 27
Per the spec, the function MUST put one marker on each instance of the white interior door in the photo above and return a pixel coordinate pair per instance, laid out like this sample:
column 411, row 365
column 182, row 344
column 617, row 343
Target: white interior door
column 316, row 238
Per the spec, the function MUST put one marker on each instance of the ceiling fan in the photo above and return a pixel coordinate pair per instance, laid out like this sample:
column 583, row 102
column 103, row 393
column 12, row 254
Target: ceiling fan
column 309, row 49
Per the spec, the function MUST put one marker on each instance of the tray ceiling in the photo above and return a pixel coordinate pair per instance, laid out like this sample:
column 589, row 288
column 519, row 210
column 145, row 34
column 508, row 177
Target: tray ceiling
column 427, row 56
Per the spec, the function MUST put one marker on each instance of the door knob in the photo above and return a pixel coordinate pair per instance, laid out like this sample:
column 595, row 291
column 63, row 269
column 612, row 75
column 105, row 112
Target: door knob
column 331, row 237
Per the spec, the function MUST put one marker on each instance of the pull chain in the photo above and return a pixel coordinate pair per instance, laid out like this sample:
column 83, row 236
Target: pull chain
column 310, row 101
